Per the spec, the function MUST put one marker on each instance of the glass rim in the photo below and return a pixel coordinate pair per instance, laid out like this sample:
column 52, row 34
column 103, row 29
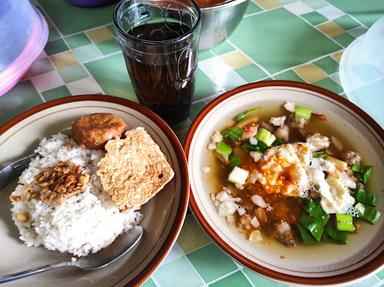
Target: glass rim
column 121, row 32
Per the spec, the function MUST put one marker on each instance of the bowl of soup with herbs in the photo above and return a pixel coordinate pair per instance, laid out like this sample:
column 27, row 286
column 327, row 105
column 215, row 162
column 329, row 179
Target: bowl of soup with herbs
column 287, row 178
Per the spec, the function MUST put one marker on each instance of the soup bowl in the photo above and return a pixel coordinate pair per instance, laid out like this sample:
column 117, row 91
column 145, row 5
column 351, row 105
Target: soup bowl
column 219, row 21
column 318, row 264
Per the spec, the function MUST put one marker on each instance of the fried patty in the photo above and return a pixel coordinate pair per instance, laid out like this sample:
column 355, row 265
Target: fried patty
column 94, row 130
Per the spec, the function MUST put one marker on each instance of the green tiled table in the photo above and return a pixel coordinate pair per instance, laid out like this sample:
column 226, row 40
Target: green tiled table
column 277, row 39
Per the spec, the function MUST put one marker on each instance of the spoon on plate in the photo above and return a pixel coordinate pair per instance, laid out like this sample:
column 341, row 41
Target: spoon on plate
column 105, row 257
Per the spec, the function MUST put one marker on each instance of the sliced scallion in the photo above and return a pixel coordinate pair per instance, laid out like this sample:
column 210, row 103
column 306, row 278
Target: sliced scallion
column 265, row 136
column 247, row 114
column 303, row 112
column 234, row 133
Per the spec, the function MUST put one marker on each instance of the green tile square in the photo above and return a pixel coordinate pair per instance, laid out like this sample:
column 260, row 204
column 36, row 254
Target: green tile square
column 40, row 67
column 289, row 76
column 203, row 55
column 235, row 279
column 266, row 44
column 329, row 84
column 191, row 235
column 112, row 76
column 55, row 47
column 108, row 47
column 367, row 12
column 258, row 280
column 223, row 48
column 251, row 73
column 211, row 262
column 20, row 98
column 205, row 87
column 73, row 73
column 328, row 65
column 87, row 53
column 346, row 22
column 56, row 93
column 148, row 283
column 77, row 40
column 252, row 8
column 314, row 18
column 315, row 4
column 178, row 273
column 358, row 31
column 344, row 39
column 72, row 19
column 380, row 274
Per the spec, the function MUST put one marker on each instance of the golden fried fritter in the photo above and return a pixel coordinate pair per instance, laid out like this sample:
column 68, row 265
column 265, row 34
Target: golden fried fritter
column 94, row 130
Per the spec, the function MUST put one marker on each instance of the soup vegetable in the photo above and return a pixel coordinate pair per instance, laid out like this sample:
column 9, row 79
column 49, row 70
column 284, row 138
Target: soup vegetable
column 282, row 180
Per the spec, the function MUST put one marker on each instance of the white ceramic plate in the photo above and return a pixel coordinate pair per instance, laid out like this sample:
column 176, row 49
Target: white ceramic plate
column 163, row 215
column 321, row 264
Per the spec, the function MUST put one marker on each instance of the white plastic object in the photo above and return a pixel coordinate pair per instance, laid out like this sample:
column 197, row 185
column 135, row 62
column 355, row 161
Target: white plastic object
column 361, row 71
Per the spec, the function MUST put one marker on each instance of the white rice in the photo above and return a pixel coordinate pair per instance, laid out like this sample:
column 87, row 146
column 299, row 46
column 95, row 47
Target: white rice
column 85, row 222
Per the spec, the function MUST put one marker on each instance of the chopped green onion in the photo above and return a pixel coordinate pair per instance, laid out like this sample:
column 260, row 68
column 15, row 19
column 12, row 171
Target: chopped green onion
column 336, row 235
column 223, row 149
column 320, row 154
column 235, row 160
column 243, row 116
column 314, row 226
column 362, row 173
column 303, row 112
column 316, row 211
column 305, row 235
column 259, row 147
column 234, row 133
column 278, row 142
column 265, row 136
column 366, row 197
column 344, row 222
column 371, row 215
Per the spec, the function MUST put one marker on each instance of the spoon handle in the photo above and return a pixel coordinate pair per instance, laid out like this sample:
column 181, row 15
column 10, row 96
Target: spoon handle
column 18, row 275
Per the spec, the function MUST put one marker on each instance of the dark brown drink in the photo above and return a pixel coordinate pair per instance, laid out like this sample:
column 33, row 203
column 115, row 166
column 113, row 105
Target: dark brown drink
column 165, row 82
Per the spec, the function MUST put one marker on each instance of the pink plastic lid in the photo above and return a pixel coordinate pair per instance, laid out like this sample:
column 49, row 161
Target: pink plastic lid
column 35, row 45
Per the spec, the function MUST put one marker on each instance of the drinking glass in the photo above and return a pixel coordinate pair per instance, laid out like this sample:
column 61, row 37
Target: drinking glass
column 160, row 40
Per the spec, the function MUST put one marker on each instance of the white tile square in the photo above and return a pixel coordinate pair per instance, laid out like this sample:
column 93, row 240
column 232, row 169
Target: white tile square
column 47, row 81
column 175, row 253
column 298, row 8
column 84, row 86
column 330, row 12
column 336, row 78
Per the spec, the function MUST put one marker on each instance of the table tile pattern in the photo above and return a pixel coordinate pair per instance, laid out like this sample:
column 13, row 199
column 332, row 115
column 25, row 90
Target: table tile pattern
column 300, row 40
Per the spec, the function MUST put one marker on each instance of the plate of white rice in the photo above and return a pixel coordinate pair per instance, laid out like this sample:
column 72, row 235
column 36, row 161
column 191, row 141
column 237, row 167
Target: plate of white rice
column 88, row 221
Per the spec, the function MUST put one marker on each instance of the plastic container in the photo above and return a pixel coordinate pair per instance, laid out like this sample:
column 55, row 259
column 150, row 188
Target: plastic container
column 24, row 33
column 361, row 71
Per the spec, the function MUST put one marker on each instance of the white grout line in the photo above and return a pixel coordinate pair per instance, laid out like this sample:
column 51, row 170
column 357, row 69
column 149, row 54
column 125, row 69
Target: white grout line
column 224, row 276
column 103, row 56
column 198, row 274
column 155, row 280
column 250, row 59
column 246, row 276
column 306, row 63
column 316, row 28
column 262, row 10
column 353, row 17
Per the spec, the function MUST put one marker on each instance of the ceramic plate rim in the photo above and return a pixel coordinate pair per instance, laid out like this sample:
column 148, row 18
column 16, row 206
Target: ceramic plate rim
column 343, row 278
column 177, row 147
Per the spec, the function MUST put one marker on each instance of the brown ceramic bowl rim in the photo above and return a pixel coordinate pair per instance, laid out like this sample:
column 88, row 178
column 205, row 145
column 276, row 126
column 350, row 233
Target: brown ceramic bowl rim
column 184, row 196
column 365, row 270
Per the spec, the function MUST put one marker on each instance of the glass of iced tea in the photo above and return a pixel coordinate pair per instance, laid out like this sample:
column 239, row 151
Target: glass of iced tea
column 160, row 40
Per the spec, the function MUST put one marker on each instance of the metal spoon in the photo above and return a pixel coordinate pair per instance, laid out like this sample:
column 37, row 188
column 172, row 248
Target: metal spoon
column 10, row 170
column 106, row 256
